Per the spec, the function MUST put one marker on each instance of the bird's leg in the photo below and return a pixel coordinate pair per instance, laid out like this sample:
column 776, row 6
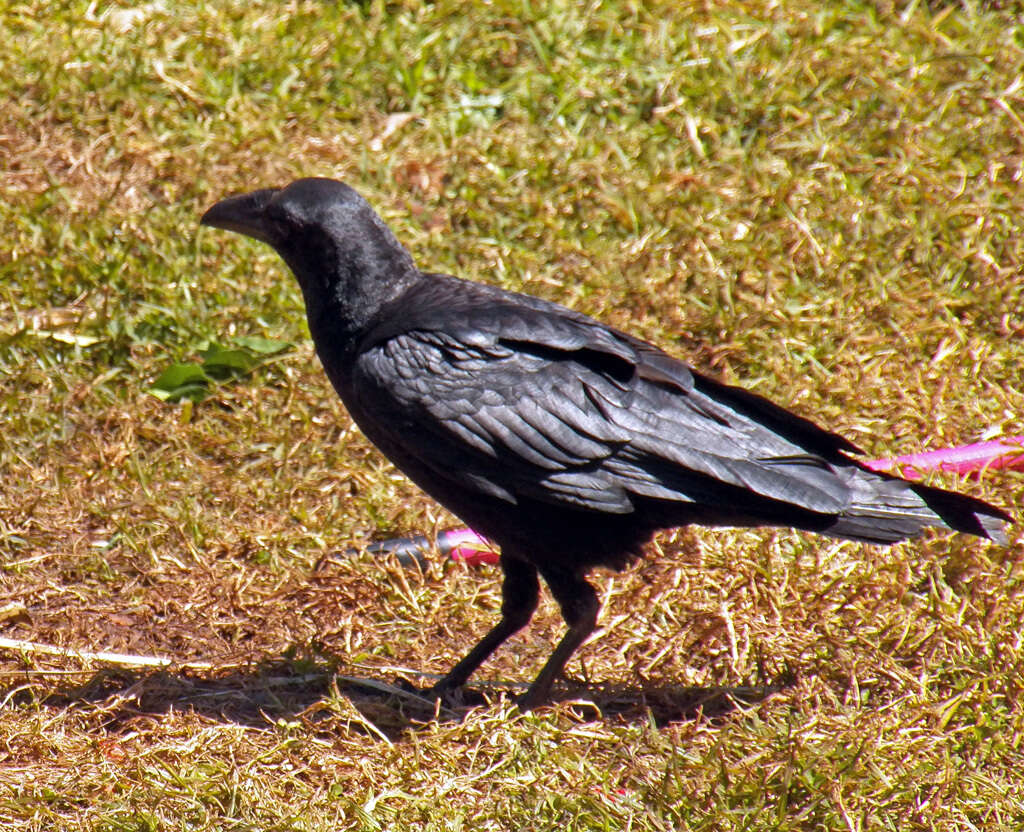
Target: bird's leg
column 580, row 606
column 519, row 595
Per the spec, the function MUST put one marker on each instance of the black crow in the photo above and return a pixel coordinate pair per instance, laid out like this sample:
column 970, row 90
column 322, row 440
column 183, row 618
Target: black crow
column 564, row 441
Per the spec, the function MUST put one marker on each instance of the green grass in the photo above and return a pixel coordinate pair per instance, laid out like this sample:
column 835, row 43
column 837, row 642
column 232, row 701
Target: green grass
column 819, row 200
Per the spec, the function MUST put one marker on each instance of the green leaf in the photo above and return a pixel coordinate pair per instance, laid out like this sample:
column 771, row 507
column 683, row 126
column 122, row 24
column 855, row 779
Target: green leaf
column 220, row 363
column 181, row 381
column 223, row 363
column 262, row 346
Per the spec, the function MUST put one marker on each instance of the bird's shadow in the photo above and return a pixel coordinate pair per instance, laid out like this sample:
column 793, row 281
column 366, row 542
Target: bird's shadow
column 283, row 692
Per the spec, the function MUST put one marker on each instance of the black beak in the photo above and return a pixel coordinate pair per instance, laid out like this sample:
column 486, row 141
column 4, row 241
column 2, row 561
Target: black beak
column 244, row 214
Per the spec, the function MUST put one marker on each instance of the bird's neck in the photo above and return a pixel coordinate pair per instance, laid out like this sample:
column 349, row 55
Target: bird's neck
column 345, row 289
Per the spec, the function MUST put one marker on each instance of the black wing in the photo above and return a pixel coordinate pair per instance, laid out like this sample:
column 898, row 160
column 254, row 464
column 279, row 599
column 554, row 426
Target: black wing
column 520, row 398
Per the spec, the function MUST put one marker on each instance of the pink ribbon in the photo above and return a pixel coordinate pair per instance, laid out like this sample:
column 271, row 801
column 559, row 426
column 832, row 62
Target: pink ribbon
column 965, row 459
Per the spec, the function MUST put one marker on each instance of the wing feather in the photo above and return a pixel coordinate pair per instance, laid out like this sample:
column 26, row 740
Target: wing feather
column 534, row 402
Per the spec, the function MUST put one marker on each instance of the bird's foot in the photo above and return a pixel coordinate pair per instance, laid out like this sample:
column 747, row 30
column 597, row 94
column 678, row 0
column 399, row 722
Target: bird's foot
column 447, row 694
column 535, row 696
column 526, row 703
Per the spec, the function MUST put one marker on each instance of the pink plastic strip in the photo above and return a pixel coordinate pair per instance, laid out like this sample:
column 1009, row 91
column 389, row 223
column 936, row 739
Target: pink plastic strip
column 965, row 459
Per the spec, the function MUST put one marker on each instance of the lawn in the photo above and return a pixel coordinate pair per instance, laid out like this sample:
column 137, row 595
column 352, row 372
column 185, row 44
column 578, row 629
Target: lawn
column 821, row 201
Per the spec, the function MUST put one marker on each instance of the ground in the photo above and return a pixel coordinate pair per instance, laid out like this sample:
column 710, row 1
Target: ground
column 821, row 201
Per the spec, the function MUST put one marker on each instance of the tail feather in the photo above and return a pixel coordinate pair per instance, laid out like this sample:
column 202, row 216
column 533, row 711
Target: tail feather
column 965, row 514
column 886, row 509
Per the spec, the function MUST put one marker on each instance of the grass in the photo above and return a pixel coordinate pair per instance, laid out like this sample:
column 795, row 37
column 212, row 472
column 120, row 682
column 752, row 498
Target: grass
column 819, row 200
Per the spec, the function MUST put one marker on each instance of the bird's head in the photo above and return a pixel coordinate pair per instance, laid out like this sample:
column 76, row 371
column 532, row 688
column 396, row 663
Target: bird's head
column 345, row 258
